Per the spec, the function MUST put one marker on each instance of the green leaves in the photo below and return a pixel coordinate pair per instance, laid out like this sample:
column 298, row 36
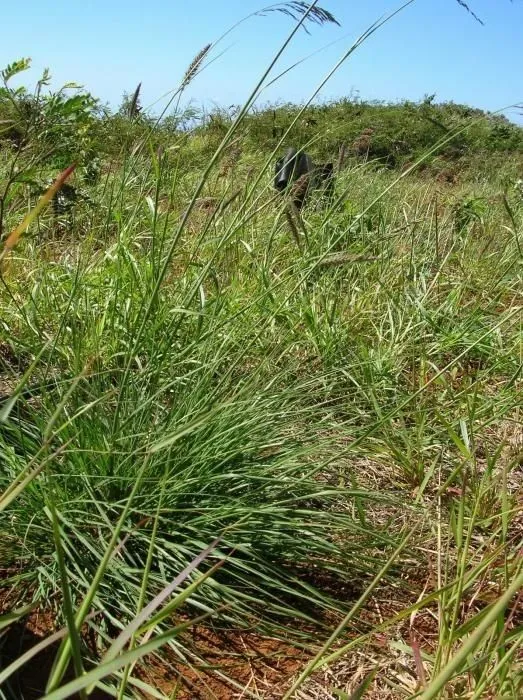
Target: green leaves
column 15, row 68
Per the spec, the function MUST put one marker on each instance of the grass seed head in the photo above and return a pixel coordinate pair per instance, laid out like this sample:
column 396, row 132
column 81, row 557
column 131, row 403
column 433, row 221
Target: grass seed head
column 195, row 65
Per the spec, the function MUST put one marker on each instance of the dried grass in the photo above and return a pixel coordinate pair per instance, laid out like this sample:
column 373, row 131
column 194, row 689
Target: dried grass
column 299, row 10
column 464, row 5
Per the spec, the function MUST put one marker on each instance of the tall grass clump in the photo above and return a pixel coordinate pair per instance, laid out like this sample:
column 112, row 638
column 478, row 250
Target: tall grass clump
column 204, row 426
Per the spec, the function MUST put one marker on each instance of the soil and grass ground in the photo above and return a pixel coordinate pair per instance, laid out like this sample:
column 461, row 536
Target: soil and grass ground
column 237, row 467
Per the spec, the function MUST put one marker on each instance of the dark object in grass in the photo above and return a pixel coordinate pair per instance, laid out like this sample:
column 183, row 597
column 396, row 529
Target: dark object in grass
column 63, row 205
column 297, row 171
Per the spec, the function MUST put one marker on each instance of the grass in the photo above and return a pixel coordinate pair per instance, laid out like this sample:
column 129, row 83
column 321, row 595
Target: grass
column 205, row 425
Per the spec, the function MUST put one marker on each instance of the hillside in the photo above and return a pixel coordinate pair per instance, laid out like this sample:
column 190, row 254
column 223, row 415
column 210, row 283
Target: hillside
column 250, row 451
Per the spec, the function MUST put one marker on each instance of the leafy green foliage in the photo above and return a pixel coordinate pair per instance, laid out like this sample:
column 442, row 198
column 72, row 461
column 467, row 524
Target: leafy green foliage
column 14, row 69
column 45, row 132
column 55, row 126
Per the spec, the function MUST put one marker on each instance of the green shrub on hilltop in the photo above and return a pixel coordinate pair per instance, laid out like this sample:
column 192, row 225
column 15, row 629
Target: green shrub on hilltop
column 50, row 130
column 395, row 132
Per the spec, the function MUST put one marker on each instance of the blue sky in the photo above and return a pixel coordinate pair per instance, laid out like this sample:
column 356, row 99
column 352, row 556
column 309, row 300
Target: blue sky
column 433, row 46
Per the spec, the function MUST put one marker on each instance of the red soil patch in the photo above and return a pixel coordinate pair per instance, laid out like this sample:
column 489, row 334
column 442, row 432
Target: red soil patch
column 236, row 665
column 230, row 664
column 30, row 681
